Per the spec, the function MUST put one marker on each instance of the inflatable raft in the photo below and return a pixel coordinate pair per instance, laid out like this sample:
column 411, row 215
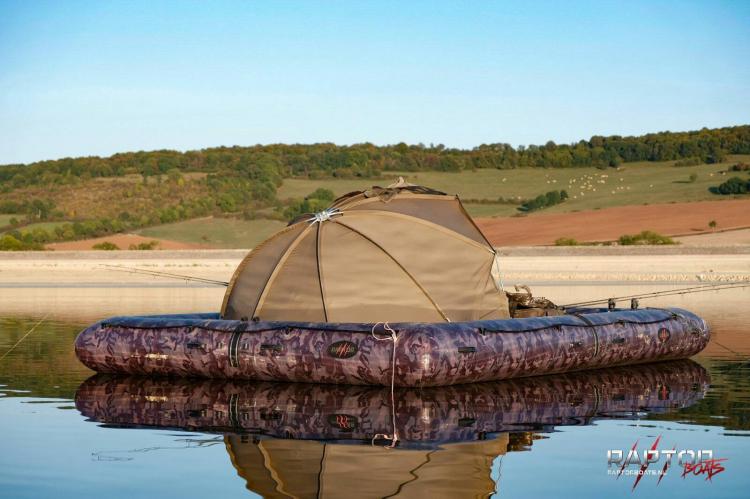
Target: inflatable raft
column 402, row 354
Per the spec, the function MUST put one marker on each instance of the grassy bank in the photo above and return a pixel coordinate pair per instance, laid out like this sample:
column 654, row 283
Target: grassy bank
column 216, row 232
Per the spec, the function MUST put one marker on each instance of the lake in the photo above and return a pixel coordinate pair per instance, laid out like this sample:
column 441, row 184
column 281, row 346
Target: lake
column 67, row 433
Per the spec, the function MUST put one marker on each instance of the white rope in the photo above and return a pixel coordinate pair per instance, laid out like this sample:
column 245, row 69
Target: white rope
column 25, row 335
column 393, row 337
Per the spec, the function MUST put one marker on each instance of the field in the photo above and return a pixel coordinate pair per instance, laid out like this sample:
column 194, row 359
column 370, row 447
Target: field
column 216, row 232
column 5, row 220
column 110, row 197
column 589, row 188
column 611, row 223
column 48, row 226
column 123, row 242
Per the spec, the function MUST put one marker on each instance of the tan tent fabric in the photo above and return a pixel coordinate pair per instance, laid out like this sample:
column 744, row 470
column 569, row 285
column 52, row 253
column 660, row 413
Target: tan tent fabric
column 404, row 253
column 277, row 468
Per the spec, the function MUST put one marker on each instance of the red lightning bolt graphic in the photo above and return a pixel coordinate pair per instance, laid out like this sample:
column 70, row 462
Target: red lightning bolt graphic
column 644, row 466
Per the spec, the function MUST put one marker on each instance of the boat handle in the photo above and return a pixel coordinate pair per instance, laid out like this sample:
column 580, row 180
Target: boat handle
column 194, row 344
column 618, row 341
column 271, row 415
column 467, row 349
column 576, row 344
column 270, row 347
column 466, row 422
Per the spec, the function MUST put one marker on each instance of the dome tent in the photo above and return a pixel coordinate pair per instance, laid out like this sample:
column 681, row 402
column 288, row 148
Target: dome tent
column 403, row 253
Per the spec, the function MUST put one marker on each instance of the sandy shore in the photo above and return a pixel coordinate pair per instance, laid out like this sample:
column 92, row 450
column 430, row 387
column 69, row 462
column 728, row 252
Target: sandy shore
column 533, row 264
column 77, row 287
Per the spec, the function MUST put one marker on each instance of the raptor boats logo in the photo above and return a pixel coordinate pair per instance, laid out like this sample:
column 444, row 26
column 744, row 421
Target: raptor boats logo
column 693, row 462
column 342, row 349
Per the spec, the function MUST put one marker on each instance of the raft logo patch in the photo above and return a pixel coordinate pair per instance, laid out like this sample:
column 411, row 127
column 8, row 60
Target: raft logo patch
column 663, row 334
column 342, row 349
column 343, row 422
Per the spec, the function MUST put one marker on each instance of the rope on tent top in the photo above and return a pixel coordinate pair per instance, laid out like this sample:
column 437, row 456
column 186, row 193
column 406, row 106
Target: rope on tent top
column 324, row 215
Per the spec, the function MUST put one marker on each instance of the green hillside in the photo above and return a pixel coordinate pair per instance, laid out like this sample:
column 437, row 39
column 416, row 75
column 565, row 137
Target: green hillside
column 217, row 232
column 588, row 188
column 251, row 190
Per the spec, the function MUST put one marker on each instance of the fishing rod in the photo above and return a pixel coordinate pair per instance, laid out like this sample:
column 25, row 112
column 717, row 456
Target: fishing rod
column 158, row 273
column 719, row 286
column 639, row 295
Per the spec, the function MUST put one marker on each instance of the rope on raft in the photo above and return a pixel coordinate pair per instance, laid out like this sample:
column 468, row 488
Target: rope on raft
column 393, row 337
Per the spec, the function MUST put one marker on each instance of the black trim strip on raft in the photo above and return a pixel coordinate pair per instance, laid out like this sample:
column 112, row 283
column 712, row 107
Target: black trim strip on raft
column 368, row 330
column 234, row 412
column 234, row 359
column 593, row 330
column 588, row 324
column 673, row 316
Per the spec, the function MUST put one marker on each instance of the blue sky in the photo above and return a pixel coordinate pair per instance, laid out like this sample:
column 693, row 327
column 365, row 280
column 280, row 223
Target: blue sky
column 95, row 78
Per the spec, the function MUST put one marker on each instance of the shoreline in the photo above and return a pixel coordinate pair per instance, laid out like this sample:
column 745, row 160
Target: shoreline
column 581, row 250
column 75, row 286
column 542, row 264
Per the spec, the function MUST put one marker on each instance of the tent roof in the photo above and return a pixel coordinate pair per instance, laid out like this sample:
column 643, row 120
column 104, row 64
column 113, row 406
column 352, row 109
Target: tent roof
column 401, row 253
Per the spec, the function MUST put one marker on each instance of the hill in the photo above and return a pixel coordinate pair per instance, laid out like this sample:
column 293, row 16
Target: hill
column 250, row 191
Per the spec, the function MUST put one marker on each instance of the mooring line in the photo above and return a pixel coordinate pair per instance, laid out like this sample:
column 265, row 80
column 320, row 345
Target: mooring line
column 25, row 335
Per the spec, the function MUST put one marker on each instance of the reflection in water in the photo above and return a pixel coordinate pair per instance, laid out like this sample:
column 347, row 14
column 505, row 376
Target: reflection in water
column 428, row 439
column 47, row 450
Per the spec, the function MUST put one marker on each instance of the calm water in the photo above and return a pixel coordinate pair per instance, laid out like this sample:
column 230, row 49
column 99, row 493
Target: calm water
column 67, row 433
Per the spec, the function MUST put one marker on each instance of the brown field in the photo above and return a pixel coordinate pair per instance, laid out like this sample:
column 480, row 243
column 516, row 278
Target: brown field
column 674, row 219
column 123, row 241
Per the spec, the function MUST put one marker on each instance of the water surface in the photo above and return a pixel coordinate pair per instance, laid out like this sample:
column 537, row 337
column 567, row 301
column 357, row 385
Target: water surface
column 68, row 433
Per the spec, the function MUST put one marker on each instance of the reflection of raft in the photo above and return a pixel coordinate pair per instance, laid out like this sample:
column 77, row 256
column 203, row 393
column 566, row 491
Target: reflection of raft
column 419, row 418
column 424, row 354
column 440, row 433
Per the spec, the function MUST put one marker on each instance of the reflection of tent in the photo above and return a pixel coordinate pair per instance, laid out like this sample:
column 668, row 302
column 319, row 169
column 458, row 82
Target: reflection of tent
column 403, row 253
column 311, row 469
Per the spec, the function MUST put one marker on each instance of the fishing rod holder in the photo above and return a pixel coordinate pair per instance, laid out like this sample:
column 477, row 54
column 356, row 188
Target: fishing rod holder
column 611, row 304
column 634, row 304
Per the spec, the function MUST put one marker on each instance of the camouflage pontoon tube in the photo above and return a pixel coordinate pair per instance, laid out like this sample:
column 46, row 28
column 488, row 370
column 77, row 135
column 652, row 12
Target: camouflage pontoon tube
column 405, row 354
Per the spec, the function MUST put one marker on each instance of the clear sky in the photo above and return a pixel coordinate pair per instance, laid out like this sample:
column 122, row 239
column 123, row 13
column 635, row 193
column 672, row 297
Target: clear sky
column 94, row 78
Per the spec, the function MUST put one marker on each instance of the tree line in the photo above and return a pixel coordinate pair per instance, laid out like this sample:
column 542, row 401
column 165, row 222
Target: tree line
column 258, row 170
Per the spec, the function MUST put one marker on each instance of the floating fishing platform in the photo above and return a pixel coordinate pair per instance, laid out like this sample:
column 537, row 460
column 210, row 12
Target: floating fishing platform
column 390, row 286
